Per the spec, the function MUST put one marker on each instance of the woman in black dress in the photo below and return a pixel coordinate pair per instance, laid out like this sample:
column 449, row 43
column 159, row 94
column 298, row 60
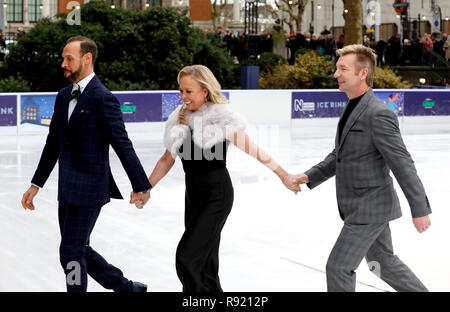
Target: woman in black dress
column 199, row 132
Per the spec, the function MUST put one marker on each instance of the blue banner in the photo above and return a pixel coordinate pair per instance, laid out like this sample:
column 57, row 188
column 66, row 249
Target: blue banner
column 136, row 107
column 312, row 104
column 157, row 106
column 140, row 107
column 37, row 109
column 395, row 100
column 320, row 104
column 427, row 103
column 170, row 101
column 8, row 113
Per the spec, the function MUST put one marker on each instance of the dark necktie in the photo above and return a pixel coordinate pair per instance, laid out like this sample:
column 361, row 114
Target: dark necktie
column 75, row 93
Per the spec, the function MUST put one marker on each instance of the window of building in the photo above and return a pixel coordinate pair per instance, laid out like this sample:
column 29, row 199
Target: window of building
column 14, row 11
column 34, row 10
column 135, row 4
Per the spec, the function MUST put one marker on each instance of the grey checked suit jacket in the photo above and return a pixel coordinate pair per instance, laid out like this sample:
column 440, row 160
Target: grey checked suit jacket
column 371, row 146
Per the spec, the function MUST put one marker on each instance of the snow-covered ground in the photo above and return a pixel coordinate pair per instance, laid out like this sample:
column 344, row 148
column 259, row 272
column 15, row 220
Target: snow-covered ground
column 273, row 240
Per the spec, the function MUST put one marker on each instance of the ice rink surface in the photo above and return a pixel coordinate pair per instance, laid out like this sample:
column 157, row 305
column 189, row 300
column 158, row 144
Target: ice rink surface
column 273, row 240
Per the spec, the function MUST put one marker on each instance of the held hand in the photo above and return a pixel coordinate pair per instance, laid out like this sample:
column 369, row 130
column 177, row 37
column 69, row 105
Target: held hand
column 133, row 199
column 301, row 178
column 139, row 199
column 422, row 223
column 27, row 198
column 145, row 197
column 290, row 183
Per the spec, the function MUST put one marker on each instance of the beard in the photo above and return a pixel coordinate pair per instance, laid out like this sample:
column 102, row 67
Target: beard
column 73, row 76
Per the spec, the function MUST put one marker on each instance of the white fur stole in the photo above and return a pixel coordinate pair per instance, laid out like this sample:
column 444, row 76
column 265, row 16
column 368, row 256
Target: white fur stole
column 211, row 124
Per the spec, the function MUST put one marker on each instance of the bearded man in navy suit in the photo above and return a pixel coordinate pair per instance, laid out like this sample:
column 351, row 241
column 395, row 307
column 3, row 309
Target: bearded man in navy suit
column 87, row 120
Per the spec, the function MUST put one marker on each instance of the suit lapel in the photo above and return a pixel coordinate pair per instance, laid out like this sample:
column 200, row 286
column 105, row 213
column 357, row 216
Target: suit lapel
column 359, row 109
column 82, row 100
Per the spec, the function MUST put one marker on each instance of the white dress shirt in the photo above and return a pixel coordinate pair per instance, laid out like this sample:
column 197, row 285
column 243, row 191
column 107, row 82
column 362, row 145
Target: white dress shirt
column 82, row 83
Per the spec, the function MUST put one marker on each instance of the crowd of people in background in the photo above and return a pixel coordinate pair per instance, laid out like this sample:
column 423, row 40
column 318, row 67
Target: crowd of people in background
column 242, row 45
column 324, row 43
column 425, row 50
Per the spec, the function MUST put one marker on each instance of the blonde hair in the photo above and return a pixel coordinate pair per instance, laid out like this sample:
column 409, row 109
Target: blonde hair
column 206, row 79
column 365, row 58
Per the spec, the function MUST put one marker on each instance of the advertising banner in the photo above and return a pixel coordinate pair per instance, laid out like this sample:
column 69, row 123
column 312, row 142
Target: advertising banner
column 8, row 113
column 322, row 104
column 136, row 107
column 395, row 100
column 157, row 106
column 170, row 101
column 37, row 109
column 314, row 104
column 427, row 103
column 140, row 107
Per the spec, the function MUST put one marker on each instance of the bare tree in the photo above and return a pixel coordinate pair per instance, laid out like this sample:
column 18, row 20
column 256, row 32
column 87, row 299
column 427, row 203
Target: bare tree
column 218, row 8
column 301, row 4
column 353, row 30
column 294, row 10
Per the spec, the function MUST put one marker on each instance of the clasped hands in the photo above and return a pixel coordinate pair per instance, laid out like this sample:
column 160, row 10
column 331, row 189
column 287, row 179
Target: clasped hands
column 292, row 181
column 139, row 198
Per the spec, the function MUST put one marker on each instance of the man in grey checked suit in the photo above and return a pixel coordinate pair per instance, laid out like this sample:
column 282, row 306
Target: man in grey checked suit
column 368, row 146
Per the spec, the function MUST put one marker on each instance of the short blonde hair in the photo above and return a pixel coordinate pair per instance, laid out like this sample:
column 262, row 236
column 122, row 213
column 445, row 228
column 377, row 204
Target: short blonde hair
column 365, row 58
column 206, row 79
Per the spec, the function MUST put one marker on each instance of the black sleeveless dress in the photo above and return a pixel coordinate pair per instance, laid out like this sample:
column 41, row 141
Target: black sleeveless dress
column 208, row 201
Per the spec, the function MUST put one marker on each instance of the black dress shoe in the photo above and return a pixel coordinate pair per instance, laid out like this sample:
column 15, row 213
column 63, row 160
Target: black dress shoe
column 139, row 287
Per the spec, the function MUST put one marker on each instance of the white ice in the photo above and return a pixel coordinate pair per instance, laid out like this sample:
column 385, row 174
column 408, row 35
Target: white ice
column 273, row 240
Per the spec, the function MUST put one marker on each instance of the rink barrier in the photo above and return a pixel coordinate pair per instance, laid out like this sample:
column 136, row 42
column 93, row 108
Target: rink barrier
column 255, row 105
column 314, row 104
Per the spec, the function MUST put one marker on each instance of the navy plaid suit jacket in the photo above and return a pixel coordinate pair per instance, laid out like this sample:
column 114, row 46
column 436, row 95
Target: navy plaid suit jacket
column 81, row 146
column 371, row 146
